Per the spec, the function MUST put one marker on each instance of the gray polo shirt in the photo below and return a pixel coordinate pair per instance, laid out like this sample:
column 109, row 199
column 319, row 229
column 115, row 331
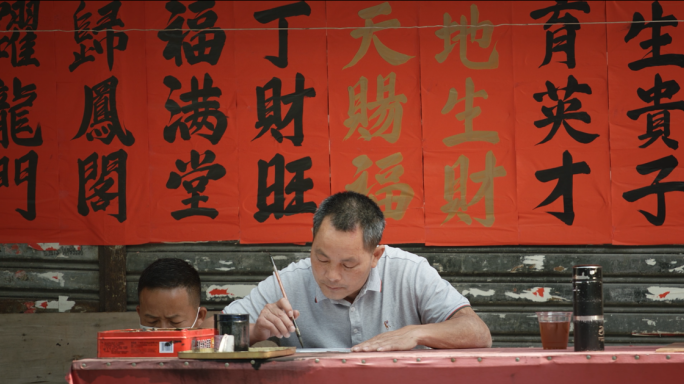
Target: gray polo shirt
column 403, row 289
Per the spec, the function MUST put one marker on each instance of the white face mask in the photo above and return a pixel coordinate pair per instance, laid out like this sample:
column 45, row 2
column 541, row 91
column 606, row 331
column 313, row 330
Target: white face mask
column 190, row 327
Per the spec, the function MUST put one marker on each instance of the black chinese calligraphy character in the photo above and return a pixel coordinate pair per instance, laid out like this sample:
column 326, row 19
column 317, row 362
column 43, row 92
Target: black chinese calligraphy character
column 204, row 45
column 281, row 14
column 196, row 180
column 105, row 188
column 100, row 116
column 297, row 185
column 19, row 130
column 269, row 109
column 664, row 166
column 23, row 174
column 23, row 17
column 199, row 113
column 657, row 40
column 564, row 187
column 112, row 40
column 562, row 42
column 658, row 124
column 4, row 171
column 565, row 109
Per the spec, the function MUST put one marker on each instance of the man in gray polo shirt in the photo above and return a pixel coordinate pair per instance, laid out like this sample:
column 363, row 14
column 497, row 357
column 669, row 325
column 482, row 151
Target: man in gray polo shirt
column 354, row 293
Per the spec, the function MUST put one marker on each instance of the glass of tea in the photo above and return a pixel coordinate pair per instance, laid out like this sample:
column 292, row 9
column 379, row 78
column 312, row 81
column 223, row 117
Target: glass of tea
column 554, row 328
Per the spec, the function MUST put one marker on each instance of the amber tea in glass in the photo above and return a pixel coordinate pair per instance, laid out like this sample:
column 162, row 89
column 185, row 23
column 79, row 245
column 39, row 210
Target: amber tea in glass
column 554, row 328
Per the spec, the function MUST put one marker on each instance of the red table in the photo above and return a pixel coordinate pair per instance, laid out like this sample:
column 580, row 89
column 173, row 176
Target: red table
column 496, row 365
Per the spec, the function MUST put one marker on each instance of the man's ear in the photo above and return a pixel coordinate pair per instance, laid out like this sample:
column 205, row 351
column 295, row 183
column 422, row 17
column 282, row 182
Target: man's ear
column 202, row 314
column 377, row 254
column 137, row 309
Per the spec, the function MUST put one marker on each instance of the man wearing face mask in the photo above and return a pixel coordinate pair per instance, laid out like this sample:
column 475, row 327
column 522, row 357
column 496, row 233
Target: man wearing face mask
column 354, row 293
column 169, row 293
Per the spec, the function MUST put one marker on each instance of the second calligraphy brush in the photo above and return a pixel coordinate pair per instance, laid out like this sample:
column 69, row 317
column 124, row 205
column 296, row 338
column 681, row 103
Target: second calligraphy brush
column 282, row 289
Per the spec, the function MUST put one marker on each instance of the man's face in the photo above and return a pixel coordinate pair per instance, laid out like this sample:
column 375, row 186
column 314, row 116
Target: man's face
column 168, row 308
column 339, row 262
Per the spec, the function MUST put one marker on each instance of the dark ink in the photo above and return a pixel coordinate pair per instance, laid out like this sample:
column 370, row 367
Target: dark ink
column 657, row 40
column 563, row 42
column 111, row 39
column 297, row 185
column 658, row 123
column 206, row 42
column 100, row 116
column 565, row 109
column 564, row 187
column 23, row 16
column 106, row 187
column 196, row 179
column 199, row 113
column 269, row 112
column 281, row 14
column 17, row 126
column 664, row 166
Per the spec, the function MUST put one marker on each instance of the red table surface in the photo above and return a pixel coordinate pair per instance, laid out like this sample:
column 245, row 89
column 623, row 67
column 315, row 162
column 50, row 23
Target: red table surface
column 496, row 365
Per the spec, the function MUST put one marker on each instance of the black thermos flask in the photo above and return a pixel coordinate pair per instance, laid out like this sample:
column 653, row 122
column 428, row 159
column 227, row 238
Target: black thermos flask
column 587, row 286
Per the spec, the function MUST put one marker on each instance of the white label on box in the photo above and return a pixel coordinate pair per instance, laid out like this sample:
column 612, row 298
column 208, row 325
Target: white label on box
column 166, row 347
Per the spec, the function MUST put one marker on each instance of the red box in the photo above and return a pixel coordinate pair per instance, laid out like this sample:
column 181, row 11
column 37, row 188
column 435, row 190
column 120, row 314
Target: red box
column 151, row 343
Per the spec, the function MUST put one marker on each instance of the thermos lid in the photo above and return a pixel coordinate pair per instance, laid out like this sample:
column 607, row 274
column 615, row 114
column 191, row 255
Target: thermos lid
column 587, row 272
column 232, row 317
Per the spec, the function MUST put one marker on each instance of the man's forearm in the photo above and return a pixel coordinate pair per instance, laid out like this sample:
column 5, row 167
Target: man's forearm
column 464, row 330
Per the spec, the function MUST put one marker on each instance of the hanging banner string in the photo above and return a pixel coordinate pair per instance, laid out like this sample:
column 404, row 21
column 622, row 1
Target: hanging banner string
column 344, row 28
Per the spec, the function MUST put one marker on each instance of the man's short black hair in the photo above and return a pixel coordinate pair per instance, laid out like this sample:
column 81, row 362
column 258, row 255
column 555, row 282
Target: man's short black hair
column 170, row 273
column 347, row 210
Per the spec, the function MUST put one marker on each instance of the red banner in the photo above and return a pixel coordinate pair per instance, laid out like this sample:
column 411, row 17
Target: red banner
column 102, row 122
column 282, row 112
column 561, row 125
column 647, row 110
column 467, row 93
column 192, row 121
column 375, row 127
column 29, row 175
column 483, row 123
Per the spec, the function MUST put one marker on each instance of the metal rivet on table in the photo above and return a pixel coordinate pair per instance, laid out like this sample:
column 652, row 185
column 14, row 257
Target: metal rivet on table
column 109, row 364
column 227, row 365
column 614, row 357
column 453, row 360
column 161, row 364
column 363, row 361
column 517, row 359
column 133, row 364
column 549, row 358
column 344, row 361
column 667, row 357
column 636, row 357
column 186, row 363
column 317, row 360
column 83, row 365
column 395, row 360
column 418, row 359
column 588, row 357
column 479, row 359
column 253, row 362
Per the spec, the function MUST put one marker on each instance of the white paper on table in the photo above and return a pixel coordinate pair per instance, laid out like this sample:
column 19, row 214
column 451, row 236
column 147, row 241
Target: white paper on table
column 323, row 350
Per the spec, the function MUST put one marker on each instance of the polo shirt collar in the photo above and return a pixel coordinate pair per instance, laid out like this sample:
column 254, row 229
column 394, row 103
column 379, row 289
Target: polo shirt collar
column 374, row 283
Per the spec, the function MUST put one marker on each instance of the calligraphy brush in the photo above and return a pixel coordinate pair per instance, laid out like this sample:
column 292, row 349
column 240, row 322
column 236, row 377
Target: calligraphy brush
column 282, row 289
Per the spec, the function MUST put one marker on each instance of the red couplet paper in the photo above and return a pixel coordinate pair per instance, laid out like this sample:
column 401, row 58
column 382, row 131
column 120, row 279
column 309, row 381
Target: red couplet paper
column 646, row 115
column 282, row 118
column 375, row 126
column 192, row 122
column 561, row 126
column 102, row 123
column 468, row 126
column 29, row 208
